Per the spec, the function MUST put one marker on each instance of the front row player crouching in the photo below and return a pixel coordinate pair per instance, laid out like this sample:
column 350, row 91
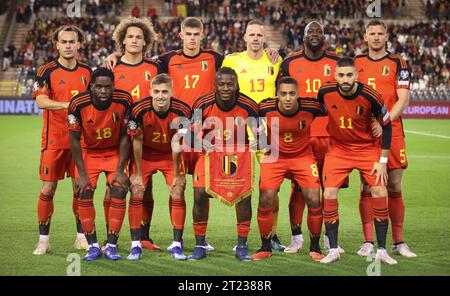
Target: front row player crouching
column 99, row 116
column 293, row 117
column 350, row 106
column 215, row 108
column 151, row 121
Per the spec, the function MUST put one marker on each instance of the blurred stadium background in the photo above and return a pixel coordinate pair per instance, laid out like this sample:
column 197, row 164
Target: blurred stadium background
column 419, row 31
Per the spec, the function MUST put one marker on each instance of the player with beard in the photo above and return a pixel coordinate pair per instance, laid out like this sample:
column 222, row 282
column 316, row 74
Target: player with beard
column 351, row 105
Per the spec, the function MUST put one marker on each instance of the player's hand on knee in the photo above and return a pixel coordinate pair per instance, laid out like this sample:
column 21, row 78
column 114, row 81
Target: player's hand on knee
column 381, row 171
column 121, row 180
column 83, row 185
column 137, row 185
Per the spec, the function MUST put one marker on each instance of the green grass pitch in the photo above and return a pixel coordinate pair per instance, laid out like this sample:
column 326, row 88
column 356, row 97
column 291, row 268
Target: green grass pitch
column 427, row 231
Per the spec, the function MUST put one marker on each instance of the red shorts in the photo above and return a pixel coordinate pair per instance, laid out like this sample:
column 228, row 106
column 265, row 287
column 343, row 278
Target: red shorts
column 320, row 147
column 198, row 178
column 340, row 163
column 397, row 154
column 153, row 163
column 303, row 169
column 189, row 161
column 55, row 164
column 97, row 164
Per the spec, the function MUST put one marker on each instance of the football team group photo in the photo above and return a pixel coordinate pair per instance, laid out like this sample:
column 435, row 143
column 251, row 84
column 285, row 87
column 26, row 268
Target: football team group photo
column 254, row 137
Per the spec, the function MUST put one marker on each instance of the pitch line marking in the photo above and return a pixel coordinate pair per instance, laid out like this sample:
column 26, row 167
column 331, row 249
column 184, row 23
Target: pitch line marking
column 429, row 156
column 427, row 134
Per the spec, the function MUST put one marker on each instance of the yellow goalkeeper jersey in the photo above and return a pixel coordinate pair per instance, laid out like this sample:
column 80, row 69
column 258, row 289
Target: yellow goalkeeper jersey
column 256, row 78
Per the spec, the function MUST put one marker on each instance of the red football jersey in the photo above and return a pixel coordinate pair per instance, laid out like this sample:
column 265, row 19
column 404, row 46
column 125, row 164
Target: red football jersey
column 100, row 129
column 135, row 79
column 225, row 126
column 156, row 128
column 385, row 75
column 59, row 84
column 350, row 124
column 193, row 77
column 293, row 131
column 311, row 75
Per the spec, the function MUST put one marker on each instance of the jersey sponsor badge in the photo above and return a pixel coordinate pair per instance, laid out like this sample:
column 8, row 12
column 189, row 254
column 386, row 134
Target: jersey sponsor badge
column 83, row 80
column 385, row 71
column 271, row 70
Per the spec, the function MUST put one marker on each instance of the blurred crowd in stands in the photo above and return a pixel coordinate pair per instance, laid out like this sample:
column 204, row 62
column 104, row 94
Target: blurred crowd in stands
column 424, row 45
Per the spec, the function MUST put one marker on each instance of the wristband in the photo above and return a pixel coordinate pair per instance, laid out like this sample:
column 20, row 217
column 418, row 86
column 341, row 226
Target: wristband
column 383, row 159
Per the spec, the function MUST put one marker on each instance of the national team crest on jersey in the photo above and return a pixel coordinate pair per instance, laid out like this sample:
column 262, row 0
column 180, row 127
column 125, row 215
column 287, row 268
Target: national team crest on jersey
column 148, row 76
column 385, row 71
column 359, row 110
column 204, row 65
column 83, row 80
column 229, row 164
column 327, row 70
column 271, row 70
column 115, row 117
column 302, row 124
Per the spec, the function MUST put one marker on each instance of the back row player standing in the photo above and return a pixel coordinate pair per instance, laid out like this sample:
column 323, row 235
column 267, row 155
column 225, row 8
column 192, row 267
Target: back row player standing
column 311, row 68
column 388, row 74
column 56, row 83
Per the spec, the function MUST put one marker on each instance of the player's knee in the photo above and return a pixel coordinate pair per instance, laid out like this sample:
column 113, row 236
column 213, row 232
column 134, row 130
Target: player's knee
column 329, row 194
column 139, row 191
column 87, row 194
column 200, row 196
column 378, row 191
column 178, row 191
column 312, row 198
column 118, row 192
column 49, row 188
column 266, row 198
column 394, row 185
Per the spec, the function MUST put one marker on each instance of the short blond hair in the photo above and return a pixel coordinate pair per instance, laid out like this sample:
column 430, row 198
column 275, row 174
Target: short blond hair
column 68, row 28
column 142, row 23
column 374, row 23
